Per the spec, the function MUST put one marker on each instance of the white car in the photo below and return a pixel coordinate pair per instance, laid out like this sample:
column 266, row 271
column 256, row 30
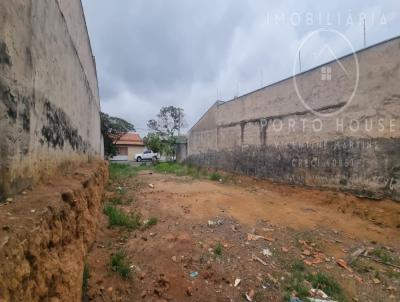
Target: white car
column 146, row 155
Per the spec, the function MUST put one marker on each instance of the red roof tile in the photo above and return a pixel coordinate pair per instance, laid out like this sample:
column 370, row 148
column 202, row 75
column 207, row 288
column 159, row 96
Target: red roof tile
column 130, row 139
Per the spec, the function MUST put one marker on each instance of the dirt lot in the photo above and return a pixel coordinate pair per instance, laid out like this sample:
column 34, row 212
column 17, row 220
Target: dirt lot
column 203, row 240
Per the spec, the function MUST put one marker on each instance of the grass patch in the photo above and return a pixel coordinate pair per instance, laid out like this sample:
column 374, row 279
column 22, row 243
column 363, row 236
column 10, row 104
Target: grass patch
column 218, row 249
column 382, row 255
column 327, row 284
column 120, row 264
column 181, row 170
column 116, row 217
column 300, row 279
column 121, row 171
column 149, row 223
column 187, row 170
column 85, row 281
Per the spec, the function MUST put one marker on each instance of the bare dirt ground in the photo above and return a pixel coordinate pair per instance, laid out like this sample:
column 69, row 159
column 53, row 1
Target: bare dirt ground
column 275, row 239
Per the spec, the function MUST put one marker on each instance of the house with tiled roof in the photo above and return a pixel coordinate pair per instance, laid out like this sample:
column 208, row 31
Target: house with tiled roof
column 127, row 146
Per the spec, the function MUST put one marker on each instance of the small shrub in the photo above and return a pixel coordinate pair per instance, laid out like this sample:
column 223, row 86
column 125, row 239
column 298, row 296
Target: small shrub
column 116, row 217
column 120, row 265
column 218, row 249
column 215, row 176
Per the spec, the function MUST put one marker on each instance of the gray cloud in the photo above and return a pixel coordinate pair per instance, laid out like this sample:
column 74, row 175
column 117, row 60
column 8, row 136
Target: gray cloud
column 152, row 53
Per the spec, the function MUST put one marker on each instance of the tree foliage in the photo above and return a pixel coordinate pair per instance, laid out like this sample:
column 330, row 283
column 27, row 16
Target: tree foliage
column 168, row 122
column 153, row 142
column 113, row 128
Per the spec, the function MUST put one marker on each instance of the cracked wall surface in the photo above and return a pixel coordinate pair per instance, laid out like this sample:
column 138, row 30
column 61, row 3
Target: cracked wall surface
column 49, row 100
column 351, row 146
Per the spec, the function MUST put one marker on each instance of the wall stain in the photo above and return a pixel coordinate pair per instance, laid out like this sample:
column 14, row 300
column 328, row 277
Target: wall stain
column 59, row 130
column 9, row 100
column 5, row 58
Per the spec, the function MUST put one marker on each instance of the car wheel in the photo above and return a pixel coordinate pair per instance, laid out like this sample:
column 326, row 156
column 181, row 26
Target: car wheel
column 139, row 159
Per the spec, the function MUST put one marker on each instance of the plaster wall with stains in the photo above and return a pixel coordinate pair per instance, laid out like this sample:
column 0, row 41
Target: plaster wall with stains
column 347, row 145
column 49, row 99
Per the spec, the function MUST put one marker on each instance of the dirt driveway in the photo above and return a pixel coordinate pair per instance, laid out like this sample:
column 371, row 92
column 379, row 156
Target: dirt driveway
column 242, row 240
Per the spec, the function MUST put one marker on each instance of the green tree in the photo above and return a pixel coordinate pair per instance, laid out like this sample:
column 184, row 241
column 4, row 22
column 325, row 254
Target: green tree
column 168, row 122
column 167, row 125
column 153, row 142
column 113, row 128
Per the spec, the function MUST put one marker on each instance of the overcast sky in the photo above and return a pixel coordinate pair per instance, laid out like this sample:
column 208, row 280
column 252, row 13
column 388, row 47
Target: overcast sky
column 189, row 53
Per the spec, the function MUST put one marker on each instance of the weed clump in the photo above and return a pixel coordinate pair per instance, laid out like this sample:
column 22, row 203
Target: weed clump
column 218, row 249
column 117, row 217
column 120, row 264
column 215, row 176
column 301, row 279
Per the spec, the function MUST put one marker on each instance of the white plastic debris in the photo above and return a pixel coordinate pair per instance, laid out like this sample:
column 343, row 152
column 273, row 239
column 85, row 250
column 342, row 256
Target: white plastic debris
column 319, row 293
column 266, row 252
column 237, row 282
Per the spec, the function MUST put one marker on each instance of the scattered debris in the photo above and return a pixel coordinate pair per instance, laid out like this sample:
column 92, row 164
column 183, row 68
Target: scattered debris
column 212, row 223
column 151, row 186
column 194, row 274
column 266, row 252
column 250, row 295
column 318, row 293
column 237, row 282
column 189, row 291
column 343, row 264
column 254, row 257
column 252, row 237
column 357, row 253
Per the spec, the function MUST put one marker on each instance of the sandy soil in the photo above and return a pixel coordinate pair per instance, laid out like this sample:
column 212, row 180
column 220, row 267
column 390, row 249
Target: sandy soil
column 318, row 228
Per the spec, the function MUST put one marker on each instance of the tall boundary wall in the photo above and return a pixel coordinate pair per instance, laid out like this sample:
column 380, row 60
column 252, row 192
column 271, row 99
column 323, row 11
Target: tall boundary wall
column 348, row 145
column 49, row 98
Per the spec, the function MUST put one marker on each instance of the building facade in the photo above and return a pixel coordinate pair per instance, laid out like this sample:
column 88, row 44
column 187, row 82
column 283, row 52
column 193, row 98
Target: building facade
column 128, row 146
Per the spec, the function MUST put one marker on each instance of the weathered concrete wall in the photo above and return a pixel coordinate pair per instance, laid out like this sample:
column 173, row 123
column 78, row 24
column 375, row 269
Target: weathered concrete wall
column 181, row 152
column 270, row 134
column 49, row 100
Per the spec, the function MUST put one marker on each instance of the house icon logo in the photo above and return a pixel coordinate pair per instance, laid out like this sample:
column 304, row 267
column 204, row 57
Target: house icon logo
column 331, row 75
